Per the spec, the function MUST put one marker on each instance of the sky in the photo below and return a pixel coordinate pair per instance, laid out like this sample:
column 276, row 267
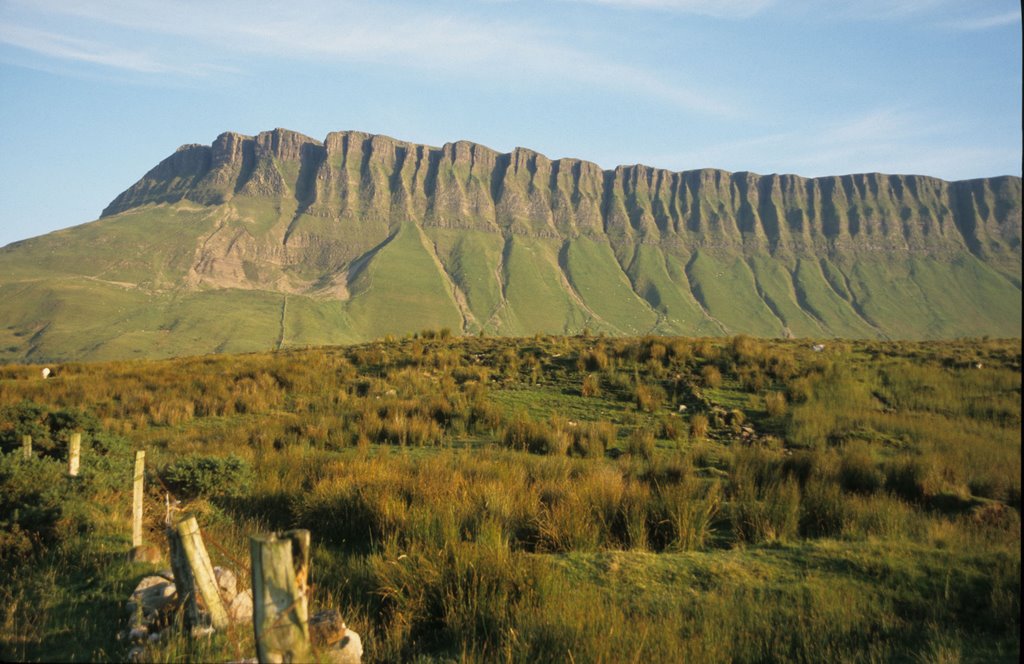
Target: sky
column 94, row 93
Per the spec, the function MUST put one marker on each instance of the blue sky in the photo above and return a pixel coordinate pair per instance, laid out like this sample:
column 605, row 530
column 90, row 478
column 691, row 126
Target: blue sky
column 93, row 93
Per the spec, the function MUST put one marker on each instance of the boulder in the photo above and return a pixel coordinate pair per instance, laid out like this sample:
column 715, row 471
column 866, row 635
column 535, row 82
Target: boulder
column 333, row 640
column 227, row 583
column 326, row 628
column 153, row 594
column 347, row 651
column 240, row 609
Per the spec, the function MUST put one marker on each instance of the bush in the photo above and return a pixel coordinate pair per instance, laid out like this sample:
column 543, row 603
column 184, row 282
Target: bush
column 909, row 478
column 31, row 499
column 712, row 376
column 858, row 472
column 823, row 510
column 208, row 476
column 775, row 404
column 536, row 437
column 648, row 397
column 641, row 444
column 591, row 386
column 593, row 439
column 698, row 426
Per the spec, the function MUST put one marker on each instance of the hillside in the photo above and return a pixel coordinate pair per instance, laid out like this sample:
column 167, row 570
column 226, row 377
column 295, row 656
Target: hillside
column 281, row 240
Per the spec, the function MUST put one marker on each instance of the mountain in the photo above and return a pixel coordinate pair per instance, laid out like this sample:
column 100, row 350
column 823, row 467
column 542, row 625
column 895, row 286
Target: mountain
column 279, row 240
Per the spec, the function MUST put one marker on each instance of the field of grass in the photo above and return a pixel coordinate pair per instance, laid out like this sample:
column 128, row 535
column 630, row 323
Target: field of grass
column 545, row 498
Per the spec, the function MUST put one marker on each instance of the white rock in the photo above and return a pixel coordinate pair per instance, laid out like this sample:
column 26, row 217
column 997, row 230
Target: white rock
column 153, row 593
column 347, row 651
column 240, row 609
column 227, row 582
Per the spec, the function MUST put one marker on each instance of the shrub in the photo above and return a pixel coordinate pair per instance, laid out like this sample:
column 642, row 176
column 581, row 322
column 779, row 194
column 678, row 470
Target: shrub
column 208, row 476
column 648, row 397
column 698, row 426
column 536, row 437
column 775, row 403
column 823, row 510
column 595, row 360
column 858, row 471
column 641, row 444
column 593, row 439
column 909, row 478
column 31, row 499
column 766, row 513
column 688, row 511
column 711, row 376
column 591, row 386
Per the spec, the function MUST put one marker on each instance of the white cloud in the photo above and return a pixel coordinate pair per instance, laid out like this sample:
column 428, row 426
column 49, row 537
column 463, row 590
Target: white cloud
column 890, row 140
column 713, row 8
column 986, row 22
column 82, row 50
column 403, row 36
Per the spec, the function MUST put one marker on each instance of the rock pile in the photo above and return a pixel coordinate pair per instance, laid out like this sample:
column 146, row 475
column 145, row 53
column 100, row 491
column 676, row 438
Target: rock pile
column 154, row 603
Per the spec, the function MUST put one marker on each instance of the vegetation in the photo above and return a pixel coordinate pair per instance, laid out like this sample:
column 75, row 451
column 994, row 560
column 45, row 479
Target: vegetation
column 547, row 498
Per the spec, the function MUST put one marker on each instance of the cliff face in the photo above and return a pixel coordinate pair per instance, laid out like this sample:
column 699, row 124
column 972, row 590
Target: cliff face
column 273, row 240
column 369, row 184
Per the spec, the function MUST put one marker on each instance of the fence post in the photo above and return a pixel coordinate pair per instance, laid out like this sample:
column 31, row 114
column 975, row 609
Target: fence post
column 280, row 594
column 26, row 446
column 74, row 451
column 183, row 582
column 193, row 574
column 137, row 486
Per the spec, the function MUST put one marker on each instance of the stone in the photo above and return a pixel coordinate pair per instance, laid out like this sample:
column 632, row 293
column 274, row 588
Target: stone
column 347, row 651
column 227, row 583
column 335, row 642
column 326, row 628
column 153, row 594
column 140, row 633
column 240, row 609
column 135, row 654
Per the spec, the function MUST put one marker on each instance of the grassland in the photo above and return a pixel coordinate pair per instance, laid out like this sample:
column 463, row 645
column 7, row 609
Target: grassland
column 545, row 498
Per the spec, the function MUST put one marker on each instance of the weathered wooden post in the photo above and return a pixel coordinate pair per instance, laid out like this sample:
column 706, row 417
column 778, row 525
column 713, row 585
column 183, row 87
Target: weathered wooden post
column 137, row 486
column 74, row 451
column 26, row 446
column 280, row 595
column 193, row 574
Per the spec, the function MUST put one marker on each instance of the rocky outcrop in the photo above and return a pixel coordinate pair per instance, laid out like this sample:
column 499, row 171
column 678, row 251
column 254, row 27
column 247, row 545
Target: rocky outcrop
column 366, row 184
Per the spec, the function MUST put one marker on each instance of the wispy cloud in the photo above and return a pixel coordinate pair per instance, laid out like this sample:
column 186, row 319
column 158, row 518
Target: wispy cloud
column 714, row 8
column 404, row 36
column 891, row 140
column 64, row 47
column 985, row 22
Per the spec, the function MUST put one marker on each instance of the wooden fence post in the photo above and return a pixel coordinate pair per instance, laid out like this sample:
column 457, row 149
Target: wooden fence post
column 74, row 451
column 193, row 574
column 26, row 446
column 137, row 486
column 280, row 595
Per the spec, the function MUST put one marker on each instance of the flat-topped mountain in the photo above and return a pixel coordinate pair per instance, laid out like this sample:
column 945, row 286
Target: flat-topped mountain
column 280, row 239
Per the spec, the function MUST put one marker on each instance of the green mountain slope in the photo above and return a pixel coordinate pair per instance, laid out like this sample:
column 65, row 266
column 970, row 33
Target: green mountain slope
column 278, row 240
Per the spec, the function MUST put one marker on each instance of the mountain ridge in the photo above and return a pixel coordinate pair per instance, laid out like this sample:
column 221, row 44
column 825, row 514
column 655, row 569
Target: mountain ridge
column 361, row 235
